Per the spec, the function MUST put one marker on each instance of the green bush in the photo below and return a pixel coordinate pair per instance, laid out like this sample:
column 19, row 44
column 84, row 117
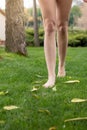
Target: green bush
column 41, row 32
column 29, row 33
column 41, row 37
column 76, row 37
column 41, row 40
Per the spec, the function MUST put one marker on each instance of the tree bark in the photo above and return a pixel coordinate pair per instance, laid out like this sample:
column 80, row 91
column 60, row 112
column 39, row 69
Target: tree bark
column 15, row 34
column 36, row 35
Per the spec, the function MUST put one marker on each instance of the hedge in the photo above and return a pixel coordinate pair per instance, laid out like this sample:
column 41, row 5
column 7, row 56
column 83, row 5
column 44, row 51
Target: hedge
column 76, row 37
column 29, row 33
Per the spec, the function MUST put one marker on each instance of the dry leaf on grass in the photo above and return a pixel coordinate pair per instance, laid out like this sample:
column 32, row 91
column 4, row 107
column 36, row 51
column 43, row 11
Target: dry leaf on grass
column 76, row 119
column 36, row 96
column 10, row 107
column 54, row 88
column 34, row 89
column 38, row 82
column 3, row 93
column 72, row 81
column 39, row 76
column 2, row 122
column 44, row 111
column 52, row 128
column 70, row 77
column 48, row 112
column 78, row 100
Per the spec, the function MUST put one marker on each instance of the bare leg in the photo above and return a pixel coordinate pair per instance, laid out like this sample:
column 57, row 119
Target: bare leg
column 49, row 17
column 63, row 9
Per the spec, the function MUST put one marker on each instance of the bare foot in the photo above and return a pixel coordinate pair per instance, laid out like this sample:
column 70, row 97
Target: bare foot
column 61, row 72
column 50, row 83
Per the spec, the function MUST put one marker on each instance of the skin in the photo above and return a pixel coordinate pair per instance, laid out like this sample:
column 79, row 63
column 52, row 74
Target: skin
column 55, row 15
column 85, row 0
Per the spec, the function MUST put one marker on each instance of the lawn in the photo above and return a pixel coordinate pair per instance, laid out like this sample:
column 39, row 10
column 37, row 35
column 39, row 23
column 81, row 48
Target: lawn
column 21, row 80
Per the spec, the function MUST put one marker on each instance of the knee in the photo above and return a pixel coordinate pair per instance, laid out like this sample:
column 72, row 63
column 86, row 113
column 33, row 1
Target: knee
column 49, row 26
column 62, row 27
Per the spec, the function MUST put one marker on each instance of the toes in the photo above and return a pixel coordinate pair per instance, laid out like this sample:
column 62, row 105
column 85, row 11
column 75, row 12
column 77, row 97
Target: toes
column 49, row 84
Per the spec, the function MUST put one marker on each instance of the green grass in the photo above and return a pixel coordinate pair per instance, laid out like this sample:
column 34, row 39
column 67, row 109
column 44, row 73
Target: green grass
column 18, row 75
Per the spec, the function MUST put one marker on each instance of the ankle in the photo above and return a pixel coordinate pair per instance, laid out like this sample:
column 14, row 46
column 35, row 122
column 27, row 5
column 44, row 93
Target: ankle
column 51, row 77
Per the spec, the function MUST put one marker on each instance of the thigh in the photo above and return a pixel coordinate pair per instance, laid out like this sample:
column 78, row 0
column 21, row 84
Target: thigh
column 48, row 9
column 63, row 10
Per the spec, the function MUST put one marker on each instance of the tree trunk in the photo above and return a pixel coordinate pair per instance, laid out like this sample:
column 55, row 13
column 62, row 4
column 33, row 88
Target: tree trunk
column 36, row 35
column 15, row 34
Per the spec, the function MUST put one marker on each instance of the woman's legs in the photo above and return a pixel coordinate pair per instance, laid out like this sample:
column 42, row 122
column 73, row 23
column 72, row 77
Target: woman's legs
column 48, row 9
column 63, row 10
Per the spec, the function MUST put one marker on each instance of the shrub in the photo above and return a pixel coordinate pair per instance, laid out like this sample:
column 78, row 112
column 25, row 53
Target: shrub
column 41, row 40
column 41, row 32
column 76, row 37
column 29, row 33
